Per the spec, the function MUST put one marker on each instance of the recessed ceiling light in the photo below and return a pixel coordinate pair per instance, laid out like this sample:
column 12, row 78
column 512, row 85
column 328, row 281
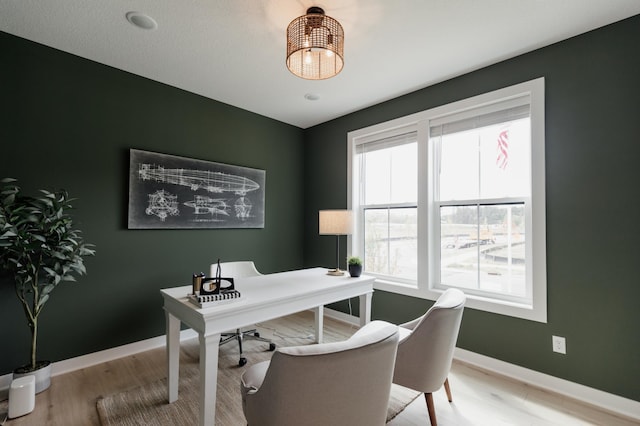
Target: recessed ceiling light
column 312, row 96
column 141, row 20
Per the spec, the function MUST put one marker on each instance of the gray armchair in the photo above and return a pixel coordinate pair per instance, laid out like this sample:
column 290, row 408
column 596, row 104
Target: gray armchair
column 425, row 351
column 345, row 383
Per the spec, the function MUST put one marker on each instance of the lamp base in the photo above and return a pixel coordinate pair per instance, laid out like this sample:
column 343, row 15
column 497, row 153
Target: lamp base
column 335, row 272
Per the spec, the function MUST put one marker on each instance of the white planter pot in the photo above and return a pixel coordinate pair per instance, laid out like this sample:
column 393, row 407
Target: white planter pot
column 42, row 375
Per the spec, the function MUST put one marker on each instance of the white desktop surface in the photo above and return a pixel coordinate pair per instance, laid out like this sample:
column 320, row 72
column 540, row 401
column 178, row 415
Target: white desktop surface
column 262, row 298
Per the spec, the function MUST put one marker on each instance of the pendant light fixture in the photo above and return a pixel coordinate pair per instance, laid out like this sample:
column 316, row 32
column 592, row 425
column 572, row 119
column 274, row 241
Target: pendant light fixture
column 315, row 45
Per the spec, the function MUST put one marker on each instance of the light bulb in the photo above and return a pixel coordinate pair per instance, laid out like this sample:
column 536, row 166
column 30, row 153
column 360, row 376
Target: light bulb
column 307, row 57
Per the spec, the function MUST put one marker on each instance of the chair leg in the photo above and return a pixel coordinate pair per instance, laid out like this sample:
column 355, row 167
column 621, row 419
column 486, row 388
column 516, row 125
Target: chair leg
column 242, row 360
column 447, row 389
column 239, row 337
column 254, row 335
column 432, row 409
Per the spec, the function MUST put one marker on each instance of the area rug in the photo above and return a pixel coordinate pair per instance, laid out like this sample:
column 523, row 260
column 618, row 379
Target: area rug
column 147, row 404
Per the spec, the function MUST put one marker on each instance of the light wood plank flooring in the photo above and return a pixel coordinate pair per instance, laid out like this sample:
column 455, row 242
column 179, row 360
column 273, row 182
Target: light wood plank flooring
column 478, row 398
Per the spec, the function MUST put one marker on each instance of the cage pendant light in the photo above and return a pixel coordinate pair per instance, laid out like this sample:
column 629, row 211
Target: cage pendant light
column 315, row 45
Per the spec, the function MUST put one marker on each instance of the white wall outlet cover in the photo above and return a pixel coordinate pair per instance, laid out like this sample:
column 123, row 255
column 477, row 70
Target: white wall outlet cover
column 559, row 344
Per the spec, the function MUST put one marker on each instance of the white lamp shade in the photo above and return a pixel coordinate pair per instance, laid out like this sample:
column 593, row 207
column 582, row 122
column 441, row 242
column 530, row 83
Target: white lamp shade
column 335, row 222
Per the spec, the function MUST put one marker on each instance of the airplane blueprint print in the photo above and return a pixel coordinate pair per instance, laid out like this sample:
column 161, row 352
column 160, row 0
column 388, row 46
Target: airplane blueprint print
column 167, row 191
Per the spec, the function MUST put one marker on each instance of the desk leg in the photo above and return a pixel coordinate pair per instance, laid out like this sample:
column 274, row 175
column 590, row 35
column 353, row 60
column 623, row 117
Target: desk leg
column 173, row 355
column 208, row 378
column 365, row 308
column 318, row 314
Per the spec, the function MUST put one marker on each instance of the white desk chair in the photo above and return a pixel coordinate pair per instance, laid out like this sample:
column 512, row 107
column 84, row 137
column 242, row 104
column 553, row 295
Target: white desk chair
column 426, row 348
column 235, row 270
column 339, row 384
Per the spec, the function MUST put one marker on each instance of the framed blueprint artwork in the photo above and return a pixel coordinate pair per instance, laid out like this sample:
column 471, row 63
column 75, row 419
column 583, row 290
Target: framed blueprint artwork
column 170, row 192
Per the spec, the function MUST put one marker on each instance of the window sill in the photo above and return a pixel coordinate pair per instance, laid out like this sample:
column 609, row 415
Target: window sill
column 501, row 307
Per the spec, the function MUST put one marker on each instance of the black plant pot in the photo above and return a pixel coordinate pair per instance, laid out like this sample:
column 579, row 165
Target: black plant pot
column 355, row 270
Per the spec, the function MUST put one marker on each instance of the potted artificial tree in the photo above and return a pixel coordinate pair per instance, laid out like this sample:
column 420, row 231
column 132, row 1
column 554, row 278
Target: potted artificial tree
column 355, row 266
column 40, row 248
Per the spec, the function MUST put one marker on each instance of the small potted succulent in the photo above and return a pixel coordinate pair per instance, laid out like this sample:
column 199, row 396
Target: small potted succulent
column 355, row 266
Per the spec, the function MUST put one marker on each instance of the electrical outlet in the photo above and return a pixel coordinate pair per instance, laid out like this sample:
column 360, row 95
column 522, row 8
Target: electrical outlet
column 559, row 344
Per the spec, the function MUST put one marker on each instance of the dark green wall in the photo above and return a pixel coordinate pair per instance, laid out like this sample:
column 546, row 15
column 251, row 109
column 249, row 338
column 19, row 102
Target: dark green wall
column 593, row 225
column 66, row 122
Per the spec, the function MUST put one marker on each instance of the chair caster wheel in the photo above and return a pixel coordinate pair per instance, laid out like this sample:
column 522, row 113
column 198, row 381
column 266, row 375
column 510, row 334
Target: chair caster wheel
column 256, row 334
column 242, row 361
column 272, row 346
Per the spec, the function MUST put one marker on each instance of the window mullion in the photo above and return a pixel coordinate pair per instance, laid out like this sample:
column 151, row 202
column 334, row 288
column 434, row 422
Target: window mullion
column 481, row 202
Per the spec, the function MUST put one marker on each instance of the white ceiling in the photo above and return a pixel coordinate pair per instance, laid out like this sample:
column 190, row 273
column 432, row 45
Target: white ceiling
column 233, row 51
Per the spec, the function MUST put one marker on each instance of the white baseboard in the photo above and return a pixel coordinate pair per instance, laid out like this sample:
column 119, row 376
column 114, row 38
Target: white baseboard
column 612, row 403
column 85, row 361
column 341, row 316
column 95, row 358
column 605, row 401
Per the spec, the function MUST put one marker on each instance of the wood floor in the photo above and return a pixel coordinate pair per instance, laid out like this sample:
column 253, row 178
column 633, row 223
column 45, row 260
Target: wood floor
column 478, row 398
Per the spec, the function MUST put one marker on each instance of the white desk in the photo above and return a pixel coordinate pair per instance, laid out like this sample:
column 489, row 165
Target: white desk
column 263, row 298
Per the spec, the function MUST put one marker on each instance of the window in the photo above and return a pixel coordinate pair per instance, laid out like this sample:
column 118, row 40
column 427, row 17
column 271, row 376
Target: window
column 389, row 205
column 454, row 197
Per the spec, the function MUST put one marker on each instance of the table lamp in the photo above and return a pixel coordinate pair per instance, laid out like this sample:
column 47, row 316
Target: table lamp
column 335, row 222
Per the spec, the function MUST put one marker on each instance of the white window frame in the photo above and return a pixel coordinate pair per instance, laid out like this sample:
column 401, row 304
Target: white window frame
column 428, row 253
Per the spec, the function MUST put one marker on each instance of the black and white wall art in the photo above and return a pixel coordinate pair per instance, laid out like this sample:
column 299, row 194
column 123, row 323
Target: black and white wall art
column 166, row 191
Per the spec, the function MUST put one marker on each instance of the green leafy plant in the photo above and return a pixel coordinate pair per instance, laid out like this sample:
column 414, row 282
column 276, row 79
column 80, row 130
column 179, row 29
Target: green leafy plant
column 39, row 247
column 354, row 260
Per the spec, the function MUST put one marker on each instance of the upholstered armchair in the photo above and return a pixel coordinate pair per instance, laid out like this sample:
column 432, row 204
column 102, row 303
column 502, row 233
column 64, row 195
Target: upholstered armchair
column 345, row 383
column 425, row 351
